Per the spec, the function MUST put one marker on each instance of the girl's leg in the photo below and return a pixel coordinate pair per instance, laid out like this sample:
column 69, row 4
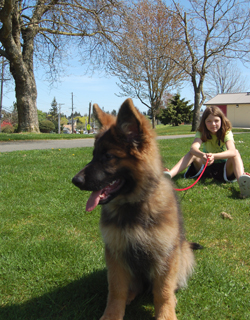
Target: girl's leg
column 235, row 165
column 184, row 163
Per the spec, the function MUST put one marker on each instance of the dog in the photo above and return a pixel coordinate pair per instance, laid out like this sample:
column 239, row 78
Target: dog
column 141, row 223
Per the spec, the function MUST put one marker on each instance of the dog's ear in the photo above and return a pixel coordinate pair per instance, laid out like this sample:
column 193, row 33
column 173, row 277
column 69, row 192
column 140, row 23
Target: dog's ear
column 104, row 119
column 129, row 120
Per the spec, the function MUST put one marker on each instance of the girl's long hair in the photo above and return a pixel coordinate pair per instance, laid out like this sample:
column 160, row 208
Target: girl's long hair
column 225, row 124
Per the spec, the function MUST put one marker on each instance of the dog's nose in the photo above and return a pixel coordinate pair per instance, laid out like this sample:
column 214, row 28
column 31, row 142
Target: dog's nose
column 78, row 181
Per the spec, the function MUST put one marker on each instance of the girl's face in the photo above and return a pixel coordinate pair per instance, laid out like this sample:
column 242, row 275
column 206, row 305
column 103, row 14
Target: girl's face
column 213, row 123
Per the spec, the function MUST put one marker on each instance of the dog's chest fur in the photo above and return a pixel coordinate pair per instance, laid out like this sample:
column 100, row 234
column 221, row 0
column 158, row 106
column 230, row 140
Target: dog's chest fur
column 131, row 236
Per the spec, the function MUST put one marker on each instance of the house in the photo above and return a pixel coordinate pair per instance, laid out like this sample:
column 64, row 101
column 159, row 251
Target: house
column 68, row 127
column 236, row 106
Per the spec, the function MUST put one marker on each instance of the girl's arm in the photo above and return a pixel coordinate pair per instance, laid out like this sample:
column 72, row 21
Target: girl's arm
column 229, row 153
column 195, row 150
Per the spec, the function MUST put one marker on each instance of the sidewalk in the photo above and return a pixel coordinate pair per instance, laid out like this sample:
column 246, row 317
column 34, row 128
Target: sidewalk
column 60, row 144
column 45, row 144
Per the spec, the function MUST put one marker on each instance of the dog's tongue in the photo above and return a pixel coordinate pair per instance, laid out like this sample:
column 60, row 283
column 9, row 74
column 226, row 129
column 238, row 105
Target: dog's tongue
column 93, row 200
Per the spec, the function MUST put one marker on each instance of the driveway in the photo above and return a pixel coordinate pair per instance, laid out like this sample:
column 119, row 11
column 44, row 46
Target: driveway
column 60, row 144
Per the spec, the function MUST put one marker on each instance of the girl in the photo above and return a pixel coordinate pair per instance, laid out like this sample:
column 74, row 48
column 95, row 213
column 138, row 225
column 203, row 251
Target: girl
column 224, row 161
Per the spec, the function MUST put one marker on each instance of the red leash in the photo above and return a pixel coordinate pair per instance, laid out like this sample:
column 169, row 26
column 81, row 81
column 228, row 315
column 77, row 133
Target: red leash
column 195, row 181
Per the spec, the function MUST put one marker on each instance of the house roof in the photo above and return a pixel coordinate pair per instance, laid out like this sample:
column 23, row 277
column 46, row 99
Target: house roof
column 230, row 98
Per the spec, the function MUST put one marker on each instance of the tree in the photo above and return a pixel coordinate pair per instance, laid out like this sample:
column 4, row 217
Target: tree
column 211, row 29
column 76, row 114
column 41, row 115
column 63, row 121
column 139, row 57
column 176, row 112
column 114, row 112
column 224, row 77
column 53, row 111
column 80, row 121
column 38, row 30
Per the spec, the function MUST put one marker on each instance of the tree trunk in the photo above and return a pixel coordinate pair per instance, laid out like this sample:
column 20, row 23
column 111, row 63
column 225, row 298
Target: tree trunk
column 153, row 117
column 22, row 70
column 17, row 40
column 196, row 112
column 26, row 95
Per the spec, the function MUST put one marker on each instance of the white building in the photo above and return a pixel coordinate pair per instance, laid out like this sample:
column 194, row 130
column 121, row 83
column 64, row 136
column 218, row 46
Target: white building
column 236, row 106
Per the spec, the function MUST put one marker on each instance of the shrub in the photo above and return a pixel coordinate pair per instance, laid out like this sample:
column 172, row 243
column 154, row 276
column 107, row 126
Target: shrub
column 46, row 126
column 7, row 127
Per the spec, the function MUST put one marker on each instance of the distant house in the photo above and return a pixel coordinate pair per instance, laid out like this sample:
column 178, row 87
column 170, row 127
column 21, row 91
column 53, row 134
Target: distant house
column 68, row 126
column 236, row 106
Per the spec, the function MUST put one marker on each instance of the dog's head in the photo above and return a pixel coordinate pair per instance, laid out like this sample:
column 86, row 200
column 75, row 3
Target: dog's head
column 125, row 157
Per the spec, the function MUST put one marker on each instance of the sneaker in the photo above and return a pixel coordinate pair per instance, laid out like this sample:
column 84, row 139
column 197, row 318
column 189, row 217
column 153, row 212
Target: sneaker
column 167, row 174
column 244, row 183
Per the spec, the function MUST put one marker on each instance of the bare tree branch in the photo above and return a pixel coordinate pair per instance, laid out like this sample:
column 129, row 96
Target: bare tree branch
column 42, row 29
column 224, row 77
column 140, row 59
column 212, row 29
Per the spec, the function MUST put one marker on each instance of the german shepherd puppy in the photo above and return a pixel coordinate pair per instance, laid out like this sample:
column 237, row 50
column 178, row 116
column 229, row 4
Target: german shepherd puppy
column 141, row 222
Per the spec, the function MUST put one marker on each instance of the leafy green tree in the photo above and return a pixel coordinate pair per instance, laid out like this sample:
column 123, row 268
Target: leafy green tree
column 53, row 114
column 41, row 115
column 64, row 121
column 53, row 111
column 114, row 113
column 177, row 111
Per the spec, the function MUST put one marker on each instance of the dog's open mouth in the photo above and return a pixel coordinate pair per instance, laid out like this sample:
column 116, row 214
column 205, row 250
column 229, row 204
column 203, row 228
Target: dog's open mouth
column 104, row 195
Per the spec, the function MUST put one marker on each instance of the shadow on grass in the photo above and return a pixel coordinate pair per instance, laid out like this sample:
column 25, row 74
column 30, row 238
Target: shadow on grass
column 83, row 299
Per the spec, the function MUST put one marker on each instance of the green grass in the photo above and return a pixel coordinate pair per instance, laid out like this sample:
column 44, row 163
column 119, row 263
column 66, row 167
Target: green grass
column 41, row 136
column 51, row 252
column 161, row 130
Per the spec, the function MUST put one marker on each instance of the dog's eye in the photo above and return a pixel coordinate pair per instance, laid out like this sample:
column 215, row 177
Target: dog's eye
column 109, row 156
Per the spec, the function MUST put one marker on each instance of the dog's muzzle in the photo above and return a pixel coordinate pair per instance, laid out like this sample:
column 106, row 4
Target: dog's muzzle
column 78, row 181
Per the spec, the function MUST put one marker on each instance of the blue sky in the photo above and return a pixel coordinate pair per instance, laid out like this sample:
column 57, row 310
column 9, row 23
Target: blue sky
column 95, row 89
column 100, row 90
column 86, row 89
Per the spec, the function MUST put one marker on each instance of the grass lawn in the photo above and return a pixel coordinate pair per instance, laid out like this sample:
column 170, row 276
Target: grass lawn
column 51, row 253
column 161, row 130
column 41, row 136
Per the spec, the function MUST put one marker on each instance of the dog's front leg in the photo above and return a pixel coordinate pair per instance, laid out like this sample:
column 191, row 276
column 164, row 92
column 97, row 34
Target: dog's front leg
column 164, row 287
column 118, row 279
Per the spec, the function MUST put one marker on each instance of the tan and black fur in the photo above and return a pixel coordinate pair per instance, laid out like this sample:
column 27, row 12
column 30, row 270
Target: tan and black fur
column 141, row 223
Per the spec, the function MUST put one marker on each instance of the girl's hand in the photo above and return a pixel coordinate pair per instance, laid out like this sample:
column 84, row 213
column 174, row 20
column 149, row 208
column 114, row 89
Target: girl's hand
column 210, row 158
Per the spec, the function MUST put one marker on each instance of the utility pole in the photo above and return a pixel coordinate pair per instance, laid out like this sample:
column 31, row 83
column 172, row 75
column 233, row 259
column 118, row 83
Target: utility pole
column 88, row 126
column 59, row 118
column 1, row 98
column 72, row 120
